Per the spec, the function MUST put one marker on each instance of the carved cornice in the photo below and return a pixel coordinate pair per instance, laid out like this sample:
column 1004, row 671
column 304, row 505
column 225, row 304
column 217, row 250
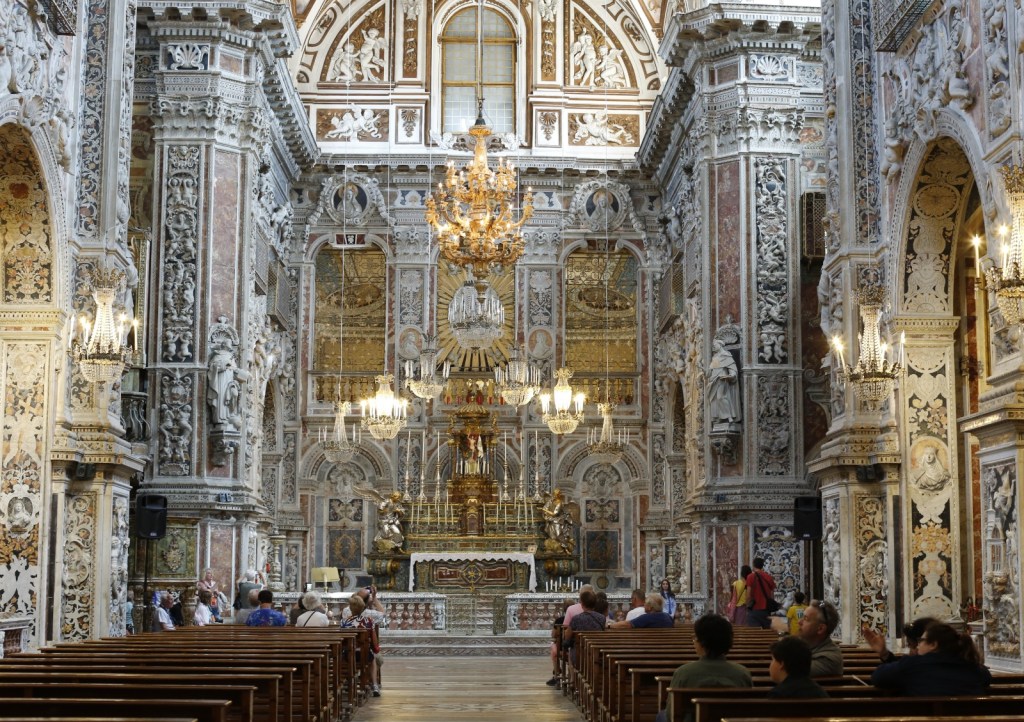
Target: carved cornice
column 272, row 20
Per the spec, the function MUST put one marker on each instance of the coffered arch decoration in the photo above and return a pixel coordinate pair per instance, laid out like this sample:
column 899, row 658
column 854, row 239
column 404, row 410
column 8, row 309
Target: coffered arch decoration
column 320, row 475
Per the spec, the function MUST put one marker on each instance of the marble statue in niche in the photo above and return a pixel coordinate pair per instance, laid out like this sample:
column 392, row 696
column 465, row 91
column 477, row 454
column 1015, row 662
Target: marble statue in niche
column 929, row 479
column 723, row 387
column 224, row 389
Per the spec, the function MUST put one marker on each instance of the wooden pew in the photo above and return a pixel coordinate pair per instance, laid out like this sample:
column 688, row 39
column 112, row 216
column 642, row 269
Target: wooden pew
column 264, row 686
column 202, row 710
column 715, row 710
column 241, row 697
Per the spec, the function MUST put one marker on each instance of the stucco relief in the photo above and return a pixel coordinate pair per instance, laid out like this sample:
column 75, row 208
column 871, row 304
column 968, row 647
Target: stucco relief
column 832, row 561
column 934, row 511
column 1001, row 558
column 995, row 42
column 773, row 293
column 179, row 255
column 176, row 424
column 774, row 419
column 873, row 564
column 941, row 190
column 77, row 597
column 25, row 233
column 120, row 542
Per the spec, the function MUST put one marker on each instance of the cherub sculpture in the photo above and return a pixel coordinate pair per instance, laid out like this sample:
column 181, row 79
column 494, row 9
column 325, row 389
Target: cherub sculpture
column 390, row 513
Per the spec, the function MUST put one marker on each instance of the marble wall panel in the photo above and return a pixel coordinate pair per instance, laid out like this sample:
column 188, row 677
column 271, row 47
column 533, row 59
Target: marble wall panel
column 224, row 248
column 221, row 557
column 729, row 243
column 727, row 562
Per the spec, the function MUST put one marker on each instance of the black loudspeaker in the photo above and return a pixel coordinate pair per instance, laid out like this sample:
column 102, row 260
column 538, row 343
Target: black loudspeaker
column 807, row 517
column 151, row 516
column 83, row 472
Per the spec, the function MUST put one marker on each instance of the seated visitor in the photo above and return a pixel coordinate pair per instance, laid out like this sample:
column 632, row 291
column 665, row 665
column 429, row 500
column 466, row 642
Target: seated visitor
column 947, row 663
column 790, row 669
column 252, row 603
column 589, row 620
column 795, row 613
column 712, row 640
column 912, row 634
column 312, row 612
column 203, row 615
column 652, row 618
column 359, row 618
column 636, row 605
column 162, row 621
column 266, row 615
column 559, row 622
column 816, row 626
column 577, row 608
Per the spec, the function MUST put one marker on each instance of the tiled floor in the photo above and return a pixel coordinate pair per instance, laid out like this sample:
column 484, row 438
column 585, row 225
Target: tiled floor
column 467, row 689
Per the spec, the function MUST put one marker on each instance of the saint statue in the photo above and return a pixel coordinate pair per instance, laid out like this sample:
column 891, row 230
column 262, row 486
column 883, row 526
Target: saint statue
column 723, row 387
column 558, row 524
column 224, row 389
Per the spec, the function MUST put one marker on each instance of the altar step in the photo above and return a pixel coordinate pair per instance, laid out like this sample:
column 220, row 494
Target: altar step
column 440, row 644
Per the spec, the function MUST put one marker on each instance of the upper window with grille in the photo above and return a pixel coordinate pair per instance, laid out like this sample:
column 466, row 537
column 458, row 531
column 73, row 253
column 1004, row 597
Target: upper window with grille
column 460, row 71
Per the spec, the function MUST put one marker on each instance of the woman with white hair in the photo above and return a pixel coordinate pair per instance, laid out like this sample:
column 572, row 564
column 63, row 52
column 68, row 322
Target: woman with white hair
column 312, row 616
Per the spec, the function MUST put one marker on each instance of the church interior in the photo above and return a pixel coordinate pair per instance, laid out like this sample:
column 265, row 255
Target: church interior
column 479, row 301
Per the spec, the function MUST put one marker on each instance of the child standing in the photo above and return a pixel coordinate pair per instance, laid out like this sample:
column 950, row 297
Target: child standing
column 796, row 613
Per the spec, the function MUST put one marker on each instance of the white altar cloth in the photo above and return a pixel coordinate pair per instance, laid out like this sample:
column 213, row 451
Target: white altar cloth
column 521, row 557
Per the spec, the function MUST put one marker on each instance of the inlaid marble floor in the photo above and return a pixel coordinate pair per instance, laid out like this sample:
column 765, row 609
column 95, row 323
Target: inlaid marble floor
column 467, row 689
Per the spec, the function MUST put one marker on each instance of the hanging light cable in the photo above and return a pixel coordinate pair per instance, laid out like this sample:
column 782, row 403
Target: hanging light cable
column 336, row 445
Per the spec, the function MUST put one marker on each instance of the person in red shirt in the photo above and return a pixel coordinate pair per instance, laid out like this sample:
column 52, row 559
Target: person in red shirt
column 760, row 588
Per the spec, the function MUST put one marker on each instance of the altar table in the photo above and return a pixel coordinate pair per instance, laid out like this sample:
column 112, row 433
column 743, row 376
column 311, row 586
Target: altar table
column 518, row 557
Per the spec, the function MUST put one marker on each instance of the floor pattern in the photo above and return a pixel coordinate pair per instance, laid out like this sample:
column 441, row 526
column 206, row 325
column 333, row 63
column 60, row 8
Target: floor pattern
column 467, row 689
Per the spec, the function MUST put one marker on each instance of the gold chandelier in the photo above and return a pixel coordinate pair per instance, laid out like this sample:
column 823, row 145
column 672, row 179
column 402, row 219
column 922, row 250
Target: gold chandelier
column 473, row 211
column 1007, row 279
column 874, row 375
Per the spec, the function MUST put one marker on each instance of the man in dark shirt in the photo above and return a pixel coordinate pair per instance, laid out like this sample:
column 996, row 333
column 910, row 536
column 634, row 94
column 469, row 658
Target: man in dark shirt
column 791, row 670
column 652, row 618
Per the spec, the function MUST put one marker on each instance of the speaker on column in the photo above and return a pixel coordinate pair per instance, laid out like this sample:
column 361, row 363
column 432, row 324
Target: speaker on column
column 151, row 516
column 807, row 517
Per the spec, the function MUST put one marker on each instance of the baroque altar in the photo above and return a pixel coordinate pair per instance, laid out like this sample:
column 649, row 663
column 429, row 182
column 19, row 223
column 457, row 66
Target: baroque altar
column 473, row 528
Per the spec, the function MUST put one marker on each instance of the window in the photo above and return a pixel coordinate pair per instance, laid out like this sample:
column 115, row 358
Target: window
column 459, row 53
column 812, row 217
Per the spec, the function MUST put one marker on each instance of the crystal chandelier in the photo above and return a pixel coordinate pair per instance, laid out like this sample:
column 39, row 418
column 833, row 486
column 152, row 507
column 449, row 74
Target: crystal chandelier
column 428, row 385
column 1007, row 279
column 568, row 412
column 874, row 375
column 519, row 381
column 337, row 447
column 102, row 350
column 384, row 413
column 605, row 446
column 472, row 212
column 475, row 315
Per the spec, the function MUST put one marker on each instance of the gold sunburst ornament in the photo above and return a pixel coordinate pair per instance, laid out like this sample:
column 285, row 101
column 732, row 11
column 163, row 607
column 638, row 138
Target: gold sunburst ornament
column 473, row 211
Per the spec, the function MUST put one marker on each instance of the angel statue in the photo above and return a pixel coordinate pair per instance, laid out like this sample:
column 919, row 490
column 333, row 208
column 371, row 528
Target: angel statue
column 558, row 524
column 390, row 513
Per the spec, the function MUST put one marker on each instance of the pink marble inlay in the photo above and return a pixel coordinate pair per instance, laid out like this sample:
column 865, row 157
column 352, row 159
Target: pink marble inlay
column 224, row 261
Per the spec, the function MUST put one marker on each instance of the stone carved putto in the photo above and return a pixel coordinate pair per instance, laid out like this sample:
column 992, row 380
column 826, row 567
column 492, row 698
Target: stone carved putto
column 175, row 452
column 599, row 128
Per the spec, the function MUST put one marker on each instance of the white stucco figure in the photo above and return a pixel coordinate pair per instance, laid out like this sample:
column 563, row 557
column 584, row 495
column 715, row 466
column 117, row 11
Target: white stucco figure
column 723, row 387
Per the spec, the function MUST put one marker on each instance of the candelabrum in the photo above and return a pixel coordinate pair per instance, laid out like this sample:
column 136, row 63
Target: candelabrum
column 568, row 407
column 519, row 381
column 102, row 350
column 337, row 446
column 384, row 413
column 606, row 446
column 472, row 212
column 1007, row 279
column 874, row 375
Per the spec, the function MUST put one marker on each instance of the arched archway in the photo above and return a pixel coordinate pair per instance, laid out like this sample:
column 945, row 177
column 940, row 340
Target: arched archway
column 938, row 305
column 30, row 351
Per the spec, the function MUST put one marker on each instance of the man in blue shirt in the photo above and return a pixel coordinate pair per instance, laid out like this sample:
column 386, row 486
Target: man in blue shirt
column 266, row 615
column 652, row 618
